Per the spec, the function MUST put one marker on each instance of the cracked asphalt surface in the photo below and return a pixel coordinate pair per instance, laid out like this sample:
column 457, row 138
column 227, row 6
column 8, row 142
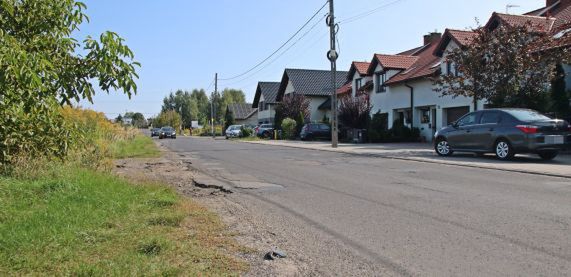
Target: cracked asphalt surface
column 339, row 214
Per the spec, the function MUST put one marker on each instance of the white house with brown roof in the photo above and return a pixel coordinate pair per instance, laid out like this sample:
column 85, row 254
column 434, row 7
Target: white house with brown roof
column 403, row 89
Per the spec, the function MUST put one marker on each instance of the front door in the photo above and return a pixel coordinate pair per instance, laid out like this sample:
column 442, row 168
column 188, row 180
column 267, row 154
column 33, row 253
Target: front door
column 484, row 132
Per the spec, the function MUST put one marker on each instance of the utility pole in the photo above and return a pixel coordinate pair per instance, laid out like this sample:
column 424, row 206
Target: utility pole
column 212, row 104
column 332, row 55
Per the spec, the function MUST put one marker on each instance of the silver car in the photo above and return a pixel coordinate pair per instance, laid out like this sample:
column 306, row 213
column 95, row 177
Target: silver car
column 234, row 131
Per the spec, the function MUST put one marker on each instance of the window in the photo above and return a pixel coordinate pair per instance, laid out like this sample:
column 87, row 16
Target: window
column 381, row 79
column 448, row 68
column 358, row 83
column 424, row 116
column 469, row 119
column 490, row 118
column 262, row 106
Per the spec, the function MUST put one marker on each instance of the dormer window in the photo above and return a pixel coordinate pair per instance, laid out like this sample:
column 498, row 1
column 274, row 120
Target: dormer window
column 381, row 78
column 449, row 68
column 358, row 83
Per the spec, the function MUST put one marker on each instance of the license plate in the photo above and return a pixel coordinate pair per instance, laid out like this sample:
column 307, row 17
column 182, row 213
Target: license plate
column 554, row 139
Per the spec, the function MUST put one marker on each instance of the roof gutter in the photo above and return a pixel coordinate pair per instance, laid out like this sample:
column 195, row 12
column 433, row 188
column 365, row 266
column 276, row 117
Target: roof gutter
column 411, row 104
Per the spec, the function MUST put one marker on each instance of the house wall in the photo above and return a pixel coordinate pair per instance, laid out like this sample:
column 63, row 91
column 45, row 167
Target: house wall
column 364, row 80
column 268, row 115
column 425, row 98
column 378, row 99
column 317, row 114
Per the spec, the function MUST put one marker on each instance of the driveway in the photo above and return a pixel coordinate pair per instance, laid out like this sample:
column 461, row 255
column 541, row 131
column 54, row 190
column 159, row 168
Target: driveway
column 355, row 215
column 422, row 152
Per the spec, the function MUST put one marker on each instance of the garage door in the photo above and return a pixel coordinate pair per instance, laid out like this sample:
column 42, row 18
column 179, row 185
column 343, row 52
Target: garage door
column 453, row 114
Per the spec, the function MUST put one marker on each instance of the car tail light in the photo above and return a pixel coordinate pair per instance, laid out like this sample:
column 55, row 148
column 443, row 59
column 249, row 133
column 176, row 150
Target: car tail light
column 528, row 129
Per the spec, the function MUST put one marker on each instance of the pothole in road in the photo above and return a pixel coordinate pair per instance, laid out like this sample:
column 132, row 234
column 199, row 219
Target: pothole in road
column 205, row 185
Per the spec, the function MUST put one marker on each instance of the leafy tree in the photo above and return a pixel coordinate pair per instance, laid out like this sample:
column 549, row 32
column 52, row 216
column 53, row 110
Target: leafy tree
column 228, row 119
column 294, row 106
column 509, row 66
column 202, row 105
column 119, row 119
column 41, row 69
column 168, row 118
column 559, row 96
column 183, row 103
column 354, row 112
column 231, row 96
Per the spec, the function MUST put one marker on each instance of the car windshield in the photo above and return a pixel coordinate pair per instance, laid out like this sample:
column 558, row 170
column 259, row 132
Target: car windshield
column 528, row 115
column 235, row 127
column 267, row 126
column 167, row 129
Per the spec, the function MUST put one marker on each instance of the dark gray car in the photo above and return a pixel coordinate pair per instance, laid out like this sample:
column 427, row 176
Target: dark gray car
column 505, row 132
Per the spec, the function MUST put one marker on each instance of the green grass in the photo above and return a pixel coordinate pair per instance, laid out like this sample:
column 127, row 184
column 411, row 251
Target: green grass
column 139, row 147
column 80, row 222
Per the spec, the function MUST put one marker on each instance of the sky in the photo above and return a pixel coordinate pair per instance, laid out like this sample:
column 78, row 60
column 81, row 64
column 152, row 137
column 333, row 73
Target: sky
column 181, row 44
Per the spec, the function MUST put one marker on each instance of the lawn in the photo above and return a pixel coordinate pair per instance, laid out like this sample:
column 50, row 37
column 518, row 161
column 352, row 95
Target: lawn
column 139, row 147
column 71, row 220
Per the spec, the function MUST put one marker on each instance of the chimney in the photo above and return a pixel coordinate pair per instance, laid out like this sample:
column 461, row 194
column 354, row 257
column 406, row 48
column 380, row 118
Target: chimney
column 432, row 37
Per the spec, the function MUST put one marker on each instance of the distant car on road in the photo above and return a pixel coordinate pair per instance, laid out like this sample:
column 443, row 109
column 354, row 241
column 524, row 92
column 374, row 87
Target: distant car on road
column 234, row 131
column 505, row 132
column 265, row 131
column 155, row 132
column 313, row 131
column 167, row 132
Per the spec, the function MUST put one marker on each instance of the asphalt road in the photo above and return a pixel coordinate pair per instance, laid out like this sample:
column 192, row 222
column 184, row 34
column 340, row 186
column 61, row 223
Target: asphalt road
column 356, row 215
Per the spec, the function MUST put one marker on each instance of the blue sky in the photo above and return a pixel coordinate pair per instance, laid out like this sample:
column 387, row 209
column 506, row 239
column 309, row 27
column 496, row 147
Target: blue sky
column 182, row 43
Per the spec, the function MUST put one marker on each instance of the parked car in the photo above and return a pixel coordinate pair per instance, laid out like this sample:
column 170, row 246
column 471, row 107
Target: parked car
column 265, row 131
column 155, row 132
column 234, row 131
column 313, row 131
column 167, row 132
column 505, row 132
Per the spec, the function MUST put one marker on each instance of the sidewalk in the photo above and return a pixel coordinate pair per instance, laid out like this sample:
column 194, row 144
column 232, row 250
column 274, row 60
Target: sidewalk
column 422, row 152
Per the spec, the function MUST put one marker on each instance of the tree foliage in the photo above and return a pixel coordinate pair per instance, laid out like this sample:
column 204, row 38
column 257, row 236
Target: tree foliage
column 41, row 69
column 228, row 119
column 289, row 127
column 168, row 118
column 354, row 112
column 294, row 106
column 507, row 66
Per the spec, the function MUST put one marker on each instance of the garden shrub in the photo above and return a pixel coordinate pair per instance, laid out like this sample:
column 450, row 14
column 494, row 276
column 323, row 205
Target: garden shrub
column 289, row 128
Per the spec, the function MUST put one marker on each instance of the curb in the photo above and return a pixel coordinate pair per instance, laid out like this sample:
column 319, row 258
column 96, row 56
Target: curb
column 419, row 160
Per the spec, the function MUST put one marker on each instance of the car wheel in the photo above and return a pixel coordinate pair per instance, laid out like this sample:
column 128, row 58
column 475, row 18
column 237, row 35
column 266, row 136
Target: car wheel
column 226, row 137
column 442, row 148
column 504, row 150
column 548, row 155
column 267, row 135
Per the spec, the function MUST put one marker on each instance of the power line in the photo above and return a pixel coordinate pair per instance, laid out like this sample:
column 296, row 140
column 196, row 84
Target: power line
column 280, row 48
column 280, row 55
column 367, row 13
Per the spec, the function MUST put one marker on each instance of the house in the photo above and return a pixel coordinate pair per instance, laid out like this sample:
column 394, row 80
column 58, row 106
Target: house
column 361, row 80
column 400, row 86
column 315, row 85
column 243, row 113
column 265, row 101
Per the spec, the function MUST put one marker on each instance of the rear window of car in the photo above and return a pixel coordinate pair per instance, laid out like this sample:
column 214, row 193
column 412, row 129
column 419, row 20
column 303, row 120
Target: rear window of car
column 528, row 115
column 323, row 127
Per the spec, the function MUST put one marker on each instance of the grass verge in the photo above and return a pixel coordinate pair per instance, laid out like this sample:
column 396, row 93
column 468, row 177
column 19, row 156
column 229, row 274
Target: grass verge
column 139, row 147
column 81, row 222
